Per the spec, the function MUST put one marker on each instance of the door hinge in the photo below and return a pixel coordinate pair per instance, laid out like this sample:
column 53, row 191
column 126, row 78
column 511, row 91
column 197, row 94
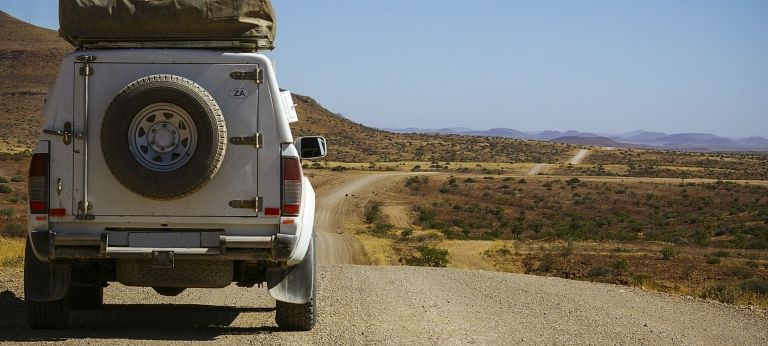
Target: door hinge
column 83, row 209
column 68, row 134
column 86, row 70
column 254, row 204
column 256, row 140
column 256, row 75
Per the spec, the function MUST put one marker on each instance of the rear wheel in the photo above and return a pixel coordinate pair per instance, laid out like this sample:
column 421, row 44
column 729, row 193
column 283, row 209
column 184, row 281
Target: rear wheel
column 300, row 317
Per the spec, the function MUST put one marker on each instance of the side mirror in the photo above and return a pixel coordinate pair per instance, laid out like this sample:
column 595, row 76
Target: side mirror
column 311, row 147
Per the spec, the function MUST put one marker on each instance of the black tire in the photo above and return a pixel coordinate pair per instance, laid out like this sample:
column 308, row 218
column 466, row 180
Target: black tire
column 300, row 317
column 199, row 165
column 44, row 315
column 86, row 297
column 169, row 291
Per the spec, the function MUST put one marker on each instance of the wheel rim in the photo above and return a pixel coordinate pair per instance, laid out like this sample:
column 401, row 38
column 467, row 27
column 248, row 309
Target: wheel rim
column 162, row 137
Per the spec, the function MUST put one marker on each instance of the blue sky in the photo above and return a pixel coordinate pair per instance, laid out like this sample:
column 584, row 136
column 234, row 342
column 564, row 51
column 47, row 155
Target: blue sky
column 597, row 66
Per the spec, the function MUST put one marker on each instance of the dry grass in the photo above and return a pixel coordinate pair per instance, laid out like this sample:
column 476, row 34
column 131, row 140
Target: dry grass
column 11, row 252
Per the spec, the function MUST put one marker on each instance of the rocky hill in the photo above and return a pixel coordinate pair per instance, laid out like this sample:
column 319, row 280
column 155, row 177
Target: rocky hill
column 29, row 59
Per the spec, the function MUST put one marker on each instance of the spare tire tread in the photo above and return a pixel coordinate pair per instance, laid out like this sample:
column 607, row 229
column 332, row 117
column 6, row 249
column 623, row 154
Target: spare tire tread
column 111, row 137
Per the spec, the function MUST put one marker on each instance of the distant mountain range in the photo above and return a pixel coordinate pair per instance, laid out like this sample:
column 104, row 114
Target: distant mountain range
column 639, row 138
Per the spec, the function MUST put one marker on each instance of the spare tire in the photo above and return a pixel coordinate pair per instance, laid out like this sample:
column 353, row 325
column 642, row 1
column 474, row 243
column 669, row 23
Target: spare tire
column 163, row 137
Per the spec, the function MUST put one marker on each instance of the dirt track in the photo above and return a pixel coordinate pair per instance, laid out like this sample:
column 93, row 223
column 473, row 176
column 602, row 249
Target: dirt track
column 407, row 305
column 400, row 305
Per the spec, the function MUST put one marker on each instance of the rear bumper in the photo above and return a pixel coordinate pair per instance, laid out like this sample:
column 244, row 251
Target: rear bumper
column 48, row 245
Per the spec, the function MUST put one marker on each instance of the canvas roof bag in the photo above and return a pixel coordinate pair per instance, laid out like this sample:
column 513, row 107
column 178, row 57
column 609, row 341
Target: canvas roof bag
column 177, row 23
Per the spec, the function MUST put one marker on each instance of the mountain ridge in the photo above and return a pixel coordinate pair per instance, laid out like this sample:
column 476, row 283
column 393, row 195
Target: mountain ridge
column 638, row 138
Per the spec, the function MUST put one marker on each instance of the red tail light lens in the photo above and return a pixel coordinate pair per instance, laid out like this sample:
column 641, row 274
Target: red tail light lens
column 292, row 176
column 38, row 184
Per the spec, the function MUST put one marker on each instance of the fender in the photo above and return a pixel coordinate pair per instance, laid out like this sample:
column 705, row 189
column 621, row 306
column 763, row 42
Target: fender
column 294, row 284
column 43, row 281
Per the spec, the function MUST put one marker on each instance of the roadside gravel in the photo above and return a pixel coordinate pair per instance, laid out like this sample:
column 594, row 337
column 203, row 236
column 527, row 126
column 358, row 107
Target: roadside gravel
column 404, row 305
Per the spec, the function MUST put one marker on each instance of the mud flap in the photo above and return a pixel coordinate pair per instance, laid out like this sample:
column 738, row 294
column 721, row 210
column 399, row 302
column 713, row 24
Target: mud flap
column 44, row 282
column 295, row 284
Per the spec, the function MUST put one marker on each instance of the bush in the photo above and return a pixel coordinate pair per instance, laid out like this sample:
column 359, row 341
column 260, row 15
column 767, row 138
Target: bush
column 3, row 180
column 17, row 179
column 548, row 263
column 382, row 228
column 720, row 292
column 5, row 189
column 7, row 212
column 713, row 260
column 13, row 230
column 668, row 253
column 756, row 286
column 619, row 266
column 373, row 213
column 599, row 271
column 406, row 233
column 429, row 257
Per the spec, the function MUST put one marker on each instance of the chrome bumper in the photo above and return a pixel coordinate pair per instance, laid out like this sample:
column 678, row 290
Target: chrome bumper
column 49, row 245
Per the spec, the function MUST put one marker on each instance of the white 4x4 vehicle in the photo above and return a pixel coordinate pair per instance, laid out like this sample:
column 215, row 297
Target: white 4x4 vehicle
column 170, row 169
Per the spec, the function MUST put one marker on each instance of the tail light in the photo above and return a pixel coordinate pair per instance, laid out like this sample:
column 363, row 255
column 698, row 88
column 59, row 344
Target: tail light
column 292, row 176
column 38, row 184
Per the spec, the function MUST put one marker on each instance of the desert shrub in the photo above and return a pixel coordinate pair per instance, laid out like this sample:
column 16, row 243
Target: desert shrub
column 548, row 263
column 426, row 215
column 416, row 168
column 373, row 213
column 5, row 189
column 17, row 179
column 721, row 253
column 429, row 257
column 759, row 244
column 619, row 266
column 406, row 233
column 381, row 228
column 644, row 281
column 599, row 271
column 755, row 285
column 13, row 230
column 7, row 212
column 720, row 292
column 740, row 272
column 668, row 253
column 3, row 180
column 339, row 169
column 713, row 260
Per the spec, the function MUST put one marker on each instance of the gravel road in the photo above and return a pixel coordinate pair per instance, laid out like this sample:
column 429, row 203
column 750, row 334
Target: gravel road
column 537, row 168
column 406, row 305
column 576, row 159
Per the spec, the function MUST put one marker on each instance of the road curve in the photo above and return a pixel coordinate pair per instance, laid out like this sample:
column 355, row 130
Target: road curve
column 333, row 246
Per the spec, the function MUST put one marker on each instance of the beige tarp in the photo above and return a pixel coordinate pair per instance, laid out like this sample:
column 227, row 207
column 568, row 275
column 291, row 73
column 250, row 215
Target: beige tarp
column 245, row 23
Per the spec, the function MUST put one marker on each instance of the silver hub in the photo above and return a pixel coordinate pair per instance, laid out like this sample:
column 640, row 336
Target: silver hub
column 162, row 137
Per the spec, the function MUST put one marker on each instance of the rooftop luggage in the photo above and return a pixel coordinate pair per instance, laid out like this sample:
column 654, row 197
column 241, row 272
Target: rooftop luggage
column 245, row 24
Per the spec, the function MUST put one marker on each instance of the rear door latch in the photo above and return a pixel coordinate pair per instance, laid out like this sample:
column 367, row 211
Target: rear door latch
column 67, row 133
column 255, row 140
column 256, row 75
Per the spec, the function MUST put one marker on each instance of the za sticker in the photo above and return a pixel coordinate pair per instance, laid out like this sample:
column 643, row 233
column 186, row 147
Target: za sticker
column 239, row 93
